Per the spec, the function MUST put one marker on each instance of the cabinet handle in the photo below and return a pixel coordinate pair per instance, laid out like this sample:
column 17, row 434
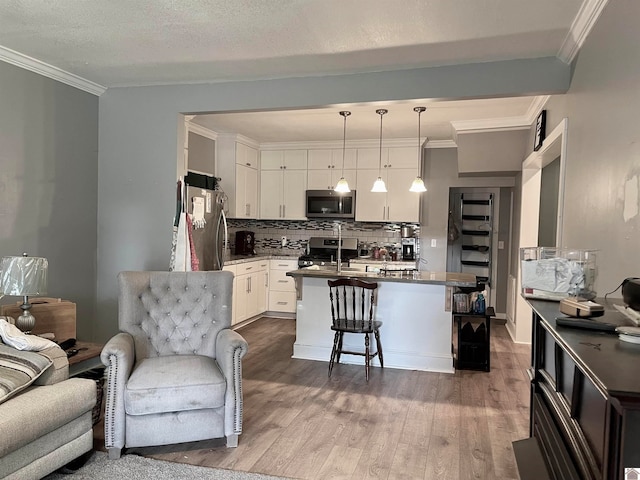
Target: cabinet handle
column 282, row 281
column 282, row 303
column 247, row 209
column 248, row 268
column 248, row 164
column 247, row 287
column 283, row 265
column 266, row 279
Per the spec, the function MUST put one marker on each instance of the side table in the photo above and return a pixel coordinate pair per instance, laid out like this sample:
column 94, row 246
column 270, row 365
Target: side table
column 86, row 364
column 474, row 352
column 87, row 358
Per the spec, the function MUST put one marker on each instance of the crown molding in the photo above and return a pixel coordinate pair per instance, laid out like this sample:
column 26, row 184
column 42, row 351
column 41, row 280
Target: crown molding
column 368, row 143
column 238, row 137
column 536, row 107
column 583, row 23
column 28, row 63
column 202, row 131
column 441, row 144
column 484, row 125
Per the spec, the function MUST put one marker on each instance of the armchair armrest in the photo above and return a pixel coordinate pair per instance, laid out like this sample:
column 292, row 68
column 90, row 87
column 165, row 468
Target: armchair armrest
column 118, row 355
column 230, row 348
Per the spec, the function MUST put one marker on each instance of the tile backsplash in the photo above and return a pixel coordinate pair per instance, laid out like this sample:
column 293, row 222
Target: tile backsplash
column 269, row 233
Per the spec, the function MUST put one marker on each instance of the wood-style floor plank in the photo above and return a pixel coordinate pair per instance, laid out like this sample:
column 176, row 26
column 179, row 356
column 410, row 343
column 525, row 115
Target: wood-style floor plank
column 402, row 424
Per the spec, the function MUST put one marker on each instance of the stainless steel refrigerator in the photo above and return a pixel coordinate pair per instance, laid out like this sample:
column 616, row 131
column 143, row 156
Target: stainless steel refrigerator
column 209, row 236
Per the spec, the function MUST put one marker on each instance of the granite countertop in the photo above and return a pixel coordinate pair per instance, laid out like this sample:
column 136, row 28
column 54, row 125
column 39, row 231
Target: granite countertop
column 449, row 279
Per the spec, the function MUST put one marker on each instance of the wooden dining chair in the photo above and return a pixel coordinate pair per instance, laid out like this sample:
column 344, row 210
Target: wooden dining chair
column 352, row 311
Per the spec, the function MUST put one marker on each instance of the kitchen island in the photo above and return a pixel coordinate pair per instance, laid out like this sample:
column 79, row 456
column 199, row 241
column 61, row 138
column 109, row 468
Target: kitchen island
column 414, row 307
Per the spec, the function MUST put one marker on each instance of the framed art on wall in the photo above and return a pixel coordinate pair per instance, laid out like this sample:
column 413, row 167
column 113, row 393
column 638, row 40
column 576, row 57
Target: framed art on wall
column 540, row 130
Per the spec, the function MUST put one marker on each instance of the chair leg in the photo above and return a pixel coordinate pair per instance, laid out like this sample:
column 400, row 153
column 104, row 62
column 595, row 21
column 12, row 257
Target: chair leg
column 379, row 346
column 366, row 356
column 334, row 352
column 232, row 441
column 114, row 453
column 339, row 352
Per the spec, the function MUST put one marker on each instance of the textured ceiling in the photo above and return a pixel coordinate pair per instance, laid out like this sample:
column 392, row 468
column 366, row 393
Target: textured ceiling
column 142, row 42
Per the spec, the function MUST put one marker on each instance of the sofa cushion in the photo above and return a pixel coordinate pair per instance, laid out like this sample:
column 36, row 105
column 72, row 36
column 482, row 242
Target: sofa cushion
column 19, row 369
column 174, row 383
column 58, row 371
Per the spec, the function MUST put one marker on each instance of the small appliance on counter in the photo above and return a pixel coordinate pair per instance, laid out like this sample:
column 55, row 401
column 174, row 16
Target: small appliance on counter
column 245, row 242
column 409, row 243
column 324, row 251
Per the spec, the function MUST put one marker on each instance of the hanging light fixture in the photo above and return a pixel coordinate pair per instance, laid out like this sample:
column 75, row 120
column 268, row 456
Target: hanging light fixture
column 343, row 186
column 418, row 183
column 378, row 185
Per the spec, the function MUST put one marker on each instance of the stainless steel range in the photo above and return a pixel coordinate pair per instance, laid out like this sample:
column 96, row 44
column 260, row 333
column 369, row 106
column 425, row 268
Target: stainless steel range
column 324, row 251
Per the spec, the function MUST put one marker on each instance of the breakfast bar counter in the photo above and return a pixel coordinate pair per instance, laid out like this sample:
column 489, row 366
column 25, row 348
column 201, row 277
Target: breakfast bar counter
column 414, row 308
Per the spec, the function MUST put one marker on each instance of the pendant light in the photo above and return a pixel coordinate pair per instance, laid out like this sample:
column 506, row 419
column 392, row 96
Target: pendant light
column 343, row 186
column 418, row 184
column 378, row 185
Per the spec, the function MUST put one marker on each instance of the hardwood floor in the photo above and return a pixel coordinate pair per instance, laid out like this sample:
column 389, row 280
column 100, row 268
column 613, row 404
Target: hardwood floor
column 401, row 425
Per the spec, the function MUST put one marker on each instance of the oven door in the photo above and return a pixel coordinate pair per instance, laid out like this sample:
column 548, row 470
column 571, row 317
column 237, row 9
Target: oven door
column 330, row 204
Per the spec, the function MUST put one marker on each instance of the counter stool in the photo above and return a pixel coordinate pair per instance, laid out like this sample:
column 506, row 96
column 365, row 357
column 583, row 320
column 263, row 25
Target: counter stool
column 352, row 311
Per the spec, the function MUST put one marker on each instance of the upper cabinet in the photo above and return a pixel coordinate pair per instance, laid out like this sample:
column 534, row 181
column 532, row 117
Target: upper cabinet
column 325, row 168
column 283, row 182
column 398, row 168
column 237, row 166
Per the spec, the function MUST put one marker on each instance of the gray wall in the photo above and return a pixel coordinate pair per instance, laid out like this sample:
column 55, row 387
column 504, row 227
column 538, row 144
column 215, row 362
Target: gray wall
column 48, row 183
column 138, row 144
column 603, row 147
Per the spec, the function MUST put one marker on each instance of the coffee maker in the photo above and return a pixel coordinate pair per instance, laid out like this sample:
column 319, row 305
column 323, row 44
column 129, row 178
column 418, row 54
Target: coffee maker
column 409, row 244
column 245, row 242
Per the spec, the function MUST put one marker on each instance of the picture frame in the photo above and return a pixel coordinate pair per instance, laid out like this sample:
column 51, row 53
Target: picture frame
column 540, row 132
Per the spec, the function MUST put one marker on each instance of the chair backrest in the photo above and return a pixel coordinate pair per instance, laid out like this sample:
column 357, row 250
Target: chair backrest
column 352, row 300
column 174, row 313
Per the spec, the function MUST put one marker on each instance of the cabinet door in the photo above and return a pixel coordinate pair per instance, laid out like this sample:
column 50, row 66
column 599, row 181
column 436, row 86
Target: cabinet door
column 350, row 158
column 402, row 205
column 251, row 192
column 241, row 206
column 253, row 294
column 295, row 159
column 370, row 157
column 370, row 206
column 251, row 157
column 242, row 291
column 263, row 290
column 271, row 194
column 294, row 187
column 271, row 159
column 320, row 159
column 232, row 269
column 319, row 179
column 403, row 157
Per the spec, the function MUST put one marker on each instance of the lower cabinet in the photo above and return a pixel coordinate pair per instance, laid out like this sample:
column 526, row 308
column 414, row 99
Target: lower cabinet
column 232, row 269
column 282, row 289
column 250, row 287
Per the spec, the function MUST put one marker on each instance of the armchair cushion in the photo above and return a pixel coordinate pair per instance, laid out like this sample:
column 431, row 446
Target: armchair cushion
column 18, row 370
column 174, row 383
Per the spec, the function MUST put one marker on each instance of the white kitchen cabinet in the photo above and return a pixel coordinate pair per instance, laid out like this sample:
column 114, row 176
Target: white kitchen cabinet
column 397, row 205
column 263, row 286
column 282, row 289
column 237, row 166
column 232, row 269
column 369, row 158
column 250, row 289
column 283, row 182
column 325, row 168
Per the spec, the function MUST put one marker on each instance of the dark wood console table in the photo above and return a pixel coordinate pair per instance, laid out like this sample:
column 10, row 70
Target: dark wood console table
column 585, row 400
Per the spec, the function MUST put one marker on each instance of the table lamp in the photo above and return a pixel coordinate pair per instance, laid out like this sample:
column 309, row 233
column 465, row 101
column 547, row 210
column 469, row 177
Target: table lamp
column 24, row 276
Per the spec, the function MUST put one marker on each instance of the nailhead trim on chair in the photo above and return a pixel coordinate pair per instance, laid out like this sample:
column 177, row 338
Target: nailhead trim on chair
column 109, row 411
column 237, row 381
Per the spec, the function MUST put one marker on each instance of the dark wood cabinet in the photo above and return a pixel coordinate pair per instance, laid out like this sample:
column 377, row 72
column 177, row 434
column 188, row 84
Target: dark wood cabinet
column 585, row 399
column 474, row 340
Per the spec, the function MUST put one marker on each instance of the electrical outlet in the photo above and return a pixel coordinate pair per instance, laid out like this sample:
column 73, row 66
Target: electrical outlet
column 283, row 240
column 433, row 242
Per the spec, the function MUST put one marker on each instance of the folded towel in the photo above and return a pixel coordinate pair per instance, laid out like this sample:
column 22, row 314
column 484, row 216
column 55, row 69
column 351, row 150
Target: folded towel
column 12, row 336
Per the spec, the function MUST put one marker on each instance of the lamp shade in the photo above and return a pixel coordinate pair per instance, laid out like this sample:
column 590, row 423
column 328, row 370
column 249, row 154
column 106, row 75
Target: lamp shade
column 342, row 186
column 379, row 186
column 418, row 186
column 23, row 276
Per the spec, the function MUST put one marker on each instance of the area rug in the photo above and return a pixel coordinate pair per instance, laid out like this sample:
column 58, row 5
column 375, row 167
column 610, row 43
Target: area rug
column 134, row 467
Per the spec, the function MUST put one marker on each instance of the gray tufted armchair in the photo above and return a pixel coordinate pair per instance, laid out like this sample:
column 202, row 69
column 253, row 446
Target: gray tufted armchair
column 174, row 372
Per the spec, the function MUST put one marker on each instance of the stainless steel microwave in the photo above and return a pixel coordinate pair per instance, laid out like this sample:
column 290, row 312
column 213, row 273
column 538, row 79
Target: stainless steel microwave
column 330, row 204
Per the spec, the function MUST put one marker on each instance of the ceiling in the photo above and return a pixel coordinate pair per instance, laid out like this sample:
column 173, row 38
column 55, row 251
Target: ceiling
column 105, row 44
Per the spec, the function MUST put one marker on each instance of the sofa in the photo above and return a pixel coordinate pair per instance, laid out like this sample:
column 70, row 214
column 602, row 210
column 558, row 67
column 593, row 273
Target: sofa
column 45, row 416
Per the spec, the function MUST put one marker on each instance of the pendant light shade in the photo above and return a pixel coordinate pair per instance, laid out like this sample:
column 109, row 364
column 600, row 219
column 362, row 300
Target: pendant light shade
column 418, row 184
column 378, row 185
column 343, row 186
